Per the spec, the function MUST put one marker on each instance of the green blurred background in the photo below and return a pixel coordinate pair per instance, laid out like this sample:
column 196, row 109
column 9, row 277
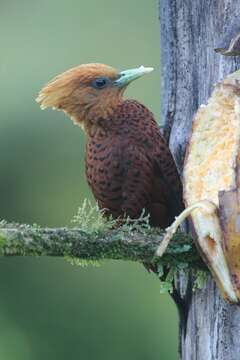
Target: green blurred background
column 49, row 308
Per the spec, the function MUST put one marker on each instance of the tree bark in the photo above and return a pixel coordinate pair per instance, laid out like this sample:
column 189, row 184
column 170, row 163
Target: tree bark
column 190, row 31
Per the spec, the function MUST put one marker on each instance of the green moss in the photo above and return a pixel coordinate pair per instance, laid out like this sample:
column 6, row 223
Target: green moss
column 95, row 238
column 3, row 242
column 81, row 262
column 200, row 278
column 90, row 219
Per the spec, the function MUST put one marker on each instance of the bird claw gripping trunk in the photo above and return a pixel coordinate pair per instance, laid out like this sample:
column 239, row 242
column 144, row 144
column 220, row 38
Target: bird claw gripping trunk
column 211, row 181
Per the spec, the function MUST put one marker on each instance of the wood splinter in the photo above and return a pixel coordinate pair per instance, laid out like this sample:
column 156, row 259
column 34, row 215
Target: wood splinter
column 206, row 205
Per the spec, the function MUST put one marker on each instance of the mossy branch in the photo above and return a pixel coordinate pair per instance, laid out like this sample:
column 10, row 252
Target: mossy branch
column 123, row 243
column 96, row 238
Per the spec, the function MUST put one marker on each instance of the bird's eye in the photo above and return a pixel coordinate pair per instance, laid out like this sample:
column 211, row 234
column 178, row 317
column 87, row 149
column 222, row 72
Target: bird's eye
column 100, row 83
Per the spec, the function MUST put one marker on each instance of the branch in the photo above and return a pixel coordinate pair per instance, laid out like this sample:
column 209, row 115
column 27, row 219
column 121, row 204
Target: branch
column 120, row 243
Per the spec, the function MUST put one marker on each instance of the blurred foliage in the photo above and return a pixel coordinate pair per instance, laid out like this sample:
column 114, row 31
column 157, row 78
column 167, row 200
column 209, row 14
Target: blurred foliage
column 48, row 308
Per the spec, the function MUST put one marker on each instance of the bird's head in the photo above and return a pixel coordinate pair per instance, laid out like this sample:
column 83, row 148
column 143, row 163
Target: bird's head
column 88, row 92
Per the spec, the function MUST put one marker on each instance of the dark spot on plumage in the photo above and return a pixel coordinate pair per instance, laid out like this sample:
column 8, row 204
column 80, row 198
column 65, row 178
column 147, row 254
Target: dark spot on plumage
column 101, row 150
column 136, row 173
column 128, row 162
column 147, row 143
column 163, row 161
column 145, row 196
column 102, row 158
column 171, row 172
column 117, row 188
column 105, row 156
column 119, row 173
column 167, row 164
column 116, row 164
column 149, row 158
column 108, row 163
column 117, row 198
column 124, row 197
column 157, row 169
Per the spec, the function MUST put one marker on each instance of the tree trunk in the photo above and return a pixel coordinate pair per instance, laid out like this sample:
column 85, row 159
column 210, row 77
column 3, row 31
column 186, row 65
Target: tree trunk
column 190, row 31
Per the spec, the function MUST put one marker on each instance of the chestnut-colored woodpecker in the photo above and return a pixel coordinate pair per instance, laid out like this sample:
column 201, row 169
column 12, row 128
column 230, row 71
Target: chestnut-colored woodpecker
column 129, row 166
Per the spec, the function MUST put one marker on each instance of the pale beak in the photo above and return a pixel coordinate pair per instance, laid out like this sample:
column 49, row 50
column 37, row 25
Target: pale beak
column 127, row 76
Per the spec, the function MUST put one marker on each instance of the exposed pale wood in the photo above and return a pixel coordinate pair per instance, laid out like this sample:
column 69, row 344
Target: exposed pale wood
column 190, row 31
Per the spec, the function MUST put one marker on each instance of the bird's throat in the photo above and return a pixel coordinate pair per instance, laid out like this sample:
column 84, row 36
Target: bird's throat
column 98, row 118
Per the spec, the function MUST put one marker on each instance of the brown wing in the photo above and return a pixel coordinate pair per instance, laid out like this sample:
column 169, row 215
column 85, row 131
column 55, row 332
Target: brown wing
column 157, row 173
column 167, row 181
